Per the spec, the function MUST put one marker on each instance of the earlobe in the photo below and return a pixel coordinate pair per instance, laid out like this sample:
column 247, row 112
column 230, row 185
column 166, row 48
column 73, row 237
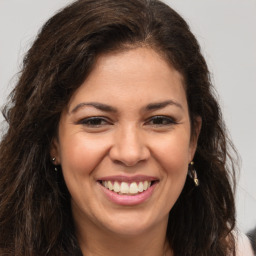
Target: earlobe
column 54, row 151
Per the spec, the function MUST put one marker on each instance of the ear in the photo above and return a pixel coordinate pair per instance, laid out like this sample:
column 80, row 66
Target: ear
column 194, row 136
column 55, row 151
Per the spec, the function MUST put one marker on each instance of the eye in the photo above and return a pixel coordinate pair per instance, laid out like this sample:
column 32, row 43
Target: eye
column 160, row 121
column 94, row 122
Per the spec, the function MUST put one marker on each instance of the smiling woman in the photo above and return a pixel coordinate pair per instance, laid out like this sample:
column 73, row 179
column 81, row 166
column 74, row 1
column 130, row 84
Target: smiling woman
column 131, row 152
column 118, row 140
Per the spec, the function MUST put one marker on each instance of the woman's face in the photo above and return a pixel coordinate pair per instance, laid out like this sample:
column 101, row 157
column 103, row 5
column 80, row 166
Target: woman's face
column 124, row 143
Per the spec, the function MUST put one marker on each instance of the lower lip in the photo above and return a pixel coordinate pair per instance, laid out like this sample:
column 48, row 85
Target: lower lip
column 127, row 199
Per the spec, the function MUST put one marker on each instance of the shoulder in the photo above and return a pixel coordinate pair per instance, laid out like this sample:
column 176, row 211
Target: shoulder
column 243, row 245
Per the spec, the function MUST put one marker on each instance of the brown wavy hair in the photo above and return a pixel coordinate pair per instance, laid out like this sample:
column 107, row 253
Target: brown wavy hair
column 35, row 213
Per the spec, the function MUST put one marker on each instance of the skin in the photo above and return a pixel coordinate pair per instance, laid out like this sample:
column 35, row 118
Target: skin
column 131, row 140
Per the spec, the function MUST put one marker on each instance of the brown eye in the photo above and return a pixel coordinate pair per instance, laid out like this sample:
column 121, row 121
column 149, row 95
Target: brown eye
column 94, row 122
column 160, row 121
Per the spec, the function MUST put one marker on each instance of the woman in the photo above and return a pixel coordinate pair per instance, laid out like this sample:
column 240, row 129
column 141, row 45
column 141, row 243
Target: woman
column 115, row 142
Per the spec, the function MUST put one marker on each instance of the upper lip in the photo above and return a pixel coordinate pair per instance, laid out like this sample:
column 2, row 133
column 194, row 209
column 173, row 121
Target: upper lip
column 136, row 178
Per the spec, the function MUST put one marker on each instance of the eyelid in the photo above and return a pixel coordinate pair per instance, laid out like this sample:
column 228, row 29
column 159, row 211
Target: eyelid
column 85, row 121
column 171, row 120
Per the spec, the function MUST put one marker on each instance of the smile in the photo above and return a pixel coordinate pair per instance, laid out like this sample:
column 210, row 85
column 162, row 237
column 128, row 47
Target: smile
column 128, row 191
column 126, row 188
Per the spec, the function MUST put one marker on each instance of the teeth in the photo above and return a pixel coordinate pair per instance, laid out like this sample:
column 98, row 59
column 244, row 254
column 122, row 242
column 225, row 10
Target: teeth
column 109, row 185
column 140, row 187
column 127, row 188
column 134, row 188
column 124, row 188
column 146, row 185
column 116, row 187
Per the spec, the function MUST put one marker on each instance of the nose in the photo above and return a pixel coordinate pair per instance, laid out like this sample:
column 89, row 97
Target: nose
column 129, row 146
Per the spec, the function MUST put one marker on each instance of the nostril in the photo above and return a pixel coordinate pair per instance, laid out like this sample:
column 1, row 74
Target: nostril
column 128, row 163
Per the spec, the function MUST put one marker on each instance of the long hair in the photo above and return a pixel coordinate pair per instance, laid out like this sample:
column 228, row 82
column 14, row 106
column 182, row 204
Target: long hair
column 35, row 214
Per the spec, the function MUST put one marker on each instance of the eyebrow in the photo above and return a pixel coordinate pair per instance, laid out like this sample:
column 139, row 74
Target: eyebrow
column 160, row 105
column 108, row 108
column 97, row 105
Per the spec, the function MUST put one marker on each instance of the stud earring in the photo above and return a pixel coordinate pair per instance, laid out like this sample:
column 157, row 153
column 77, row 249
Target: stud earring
column 55, row 167
column 193, row 173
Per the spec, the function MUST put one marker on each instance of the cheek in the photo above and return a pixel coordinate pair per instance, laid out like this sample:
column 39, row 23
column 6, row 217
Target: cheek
column 173, row 153
column 80, row 155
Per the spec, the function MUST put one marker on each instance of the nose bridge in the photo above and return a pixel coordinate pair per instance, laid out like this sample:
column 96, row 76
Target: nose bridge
column 129, row 146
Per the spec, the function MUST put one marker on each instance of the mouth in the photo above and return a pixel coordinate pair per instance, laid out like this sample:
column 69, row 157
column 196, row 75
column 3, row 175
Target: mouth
column 127, row 188
column 128, row 191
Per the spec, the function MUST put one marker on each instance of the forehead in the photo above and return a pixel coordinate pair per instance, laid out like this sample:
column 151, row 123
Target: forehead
column 138, row 74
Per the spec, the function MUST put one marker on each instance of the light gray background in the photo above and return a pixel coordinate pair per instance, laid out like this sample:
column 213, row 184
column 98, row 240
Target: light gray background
column 226, row 30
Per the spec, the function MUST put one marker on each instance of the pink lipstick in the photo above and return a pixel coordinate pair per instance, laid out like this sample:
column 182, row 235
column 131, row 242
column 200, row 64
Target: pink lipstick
column 125, row 190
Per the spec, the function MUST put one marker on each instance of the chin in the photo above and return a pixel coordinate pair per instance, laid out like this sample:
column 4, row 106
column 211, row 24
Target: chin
column 133, row 223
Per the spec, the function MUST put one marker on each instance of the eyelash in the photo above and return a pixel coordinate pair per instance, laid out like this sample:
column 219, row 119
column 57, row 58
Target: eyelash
column 156, row 121
column 166, row 121
column 94, row 122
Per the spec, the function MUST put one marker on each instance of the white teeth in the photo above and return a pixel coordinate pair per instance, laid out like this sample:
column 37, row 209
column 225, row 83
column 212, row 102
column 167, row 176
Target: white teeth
column 116, row 187
column 109, row 185
column 124, row 188
column 134, row 188
column 140, row 187
column 145, row 185
column 127, row 188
